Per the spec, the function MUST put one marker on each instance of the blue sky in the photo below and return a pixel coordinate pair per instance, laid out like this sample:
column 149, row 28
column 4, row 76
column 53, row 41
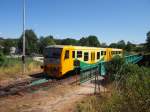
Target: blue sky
column 109, row 20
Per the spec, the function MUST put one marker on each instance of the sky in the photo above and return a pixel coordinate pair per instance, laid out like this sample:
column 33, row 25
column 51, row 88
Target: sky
column 109, row 20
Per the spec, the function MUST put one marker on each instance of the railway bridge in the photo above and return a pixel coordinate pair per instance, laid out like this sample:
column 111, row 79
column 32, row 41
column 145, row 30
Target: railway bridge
column 88, row 72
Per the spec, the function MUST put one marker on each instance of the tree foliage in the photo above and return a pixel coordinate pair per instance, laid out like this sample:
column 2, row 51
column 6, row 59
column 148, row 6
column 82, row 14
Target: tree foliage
column 45, row 41
column 113, row 67
column 69, row 41
column 8, row 43
column 148, row 41
column 113, row 45
column 121, row 44
column 36, row 45
column 2, row 59
column 133, row 93
column 31, row 42
column 91, row 41
column 130, row 47
column 104, row 45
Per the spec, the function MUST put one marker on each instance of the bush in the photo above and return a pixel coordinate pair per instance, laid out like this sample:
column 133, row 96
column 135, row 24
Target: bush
column 132, row 94
column 134, row 91
column 114, row 66
column 2, row 59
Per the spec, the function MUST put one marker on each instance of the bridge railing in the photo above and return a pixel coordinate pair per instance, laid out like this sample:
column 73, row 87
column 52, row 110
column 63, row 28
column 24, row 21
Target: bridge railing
column 89, row 71
column 133, row 58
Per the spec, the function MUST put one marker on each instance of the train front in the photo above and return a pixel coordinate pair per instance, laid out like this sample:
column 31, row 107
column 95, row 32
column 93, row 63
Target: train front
column 52, row 61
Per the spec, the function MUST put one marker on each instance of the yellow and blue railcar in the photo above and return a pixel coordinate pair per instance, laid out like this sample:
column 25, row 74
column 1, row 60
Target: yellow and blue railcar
column 59, row 59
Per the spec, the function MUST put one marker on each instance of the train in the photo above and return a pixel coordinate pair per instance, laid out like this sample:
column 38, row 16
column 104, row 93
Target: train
column 59, row 59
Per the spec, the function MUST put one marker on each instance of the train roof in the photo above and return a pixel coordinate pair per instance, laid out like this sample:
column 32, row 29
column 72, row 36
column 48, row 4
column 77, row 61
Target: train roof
column 55, row 46
column 65, row 46
column 78, row 47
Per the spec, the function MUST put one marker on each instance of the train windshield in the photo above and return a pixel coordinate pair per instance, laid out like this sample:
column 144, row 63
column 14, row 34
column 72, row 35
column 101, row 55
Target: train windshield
column 52, row 53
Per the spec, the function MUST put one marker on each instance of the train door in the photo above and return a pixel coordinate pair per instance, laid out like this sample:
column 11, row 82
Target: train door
column 92, row 57
column 108, row 54
column 67, row 61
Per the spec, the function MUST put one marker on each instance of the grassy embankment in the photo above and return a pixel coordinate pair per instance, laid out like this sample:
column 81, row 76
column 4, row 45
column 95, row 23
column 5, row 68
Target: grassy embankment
column 130, row 92
column 12, row 68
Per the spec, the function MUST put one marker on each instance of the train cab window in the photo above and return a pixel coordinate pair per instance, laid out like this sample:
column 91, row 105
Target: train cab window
column 67, row 54
column 98, row 55
column 73, row 54
column 86, row 56
column 79, row 54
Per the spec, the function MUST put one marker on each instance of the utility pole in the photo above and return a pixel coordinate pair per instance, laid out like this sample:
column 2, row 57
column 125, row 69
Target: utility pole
column 24, row 38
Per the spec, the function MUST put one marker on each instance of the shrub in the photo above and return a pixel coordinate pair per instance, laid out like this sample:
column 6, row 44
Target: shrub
column 132, row 94
column 114, row 66
column 2, row 59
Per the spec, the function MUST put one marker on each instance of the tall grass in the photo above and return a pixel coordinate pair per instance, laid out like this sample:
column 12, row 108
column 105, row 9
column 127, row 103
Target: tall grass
column 12, row 67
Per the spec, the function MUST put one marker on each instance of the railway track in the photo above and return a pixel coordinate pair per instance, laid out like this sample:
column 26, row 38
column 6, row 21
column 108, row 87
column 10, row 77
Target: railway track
column 34, row 84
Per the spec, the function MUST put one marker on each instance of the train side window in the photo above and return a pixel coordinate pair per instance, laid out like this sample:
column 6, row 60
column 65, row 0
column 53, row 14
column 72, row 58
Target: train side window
column 86, row 56
column 98, row 55
column 73, row 54
column 102, row 52
column 67, row 54
column 79, row 54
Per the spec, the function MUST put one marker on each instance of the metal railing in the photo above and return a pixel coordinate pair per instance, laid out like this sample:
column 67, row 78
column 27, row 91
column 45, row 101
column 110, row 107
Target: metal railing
column 88, row 72
column 133, row 58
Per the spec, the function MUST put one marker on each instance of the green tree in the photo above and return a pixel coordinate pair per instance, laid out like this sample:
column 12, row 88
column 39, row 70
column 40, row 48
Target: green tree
column 91, row 41
column 31, row 42
column 8, row 43
column 83, row 42
column 130, row 47
column 113, row 45
column 69, row 41
column 113, row 67
column 121, row 44
column 45, row 41
column 104, row 45
column 148, row 41
column 2, row 58
column 58, row 41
